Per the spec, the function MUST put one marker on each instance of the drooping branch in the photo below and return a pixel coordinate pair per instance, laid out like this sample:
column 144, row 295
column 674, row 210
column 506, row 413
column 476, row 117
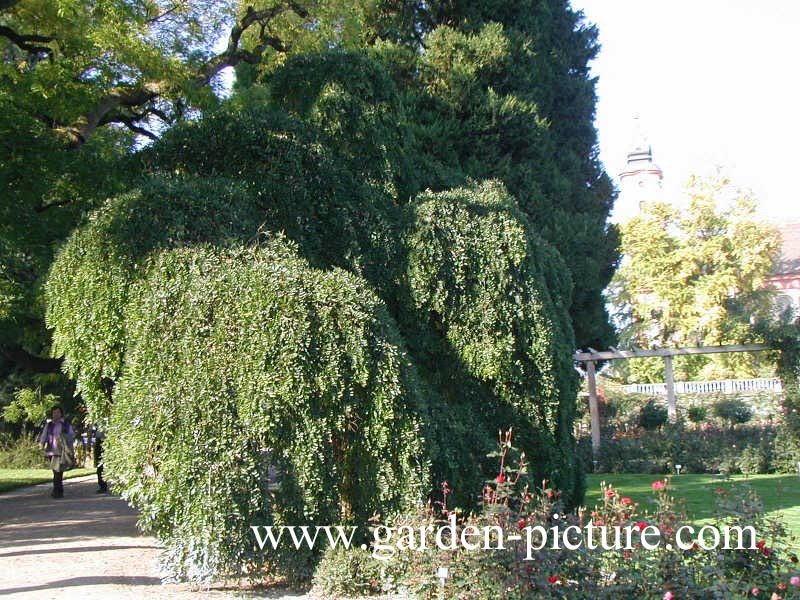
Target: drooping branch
column 28, row 43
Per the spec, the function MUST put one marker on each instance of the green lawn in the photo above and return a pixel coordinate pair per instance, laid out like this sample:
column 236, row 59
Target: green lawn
column 15, row 478
column 779, row 493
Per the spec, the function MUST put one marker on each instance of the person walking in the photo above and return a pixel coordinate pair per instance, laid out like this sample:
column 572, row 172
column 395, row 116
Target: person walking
column 99, row 436
column 57, row 439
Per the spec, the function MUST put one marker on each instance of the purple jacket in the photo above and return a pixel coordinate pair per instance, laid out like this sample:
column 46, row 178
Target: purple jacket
column 51, row 432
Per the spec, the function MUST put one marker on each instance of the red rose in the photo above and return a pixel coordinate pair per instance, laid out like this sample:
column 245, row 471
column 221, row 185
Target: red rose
column 500, row 478
column 626, row 500
column 552, row 578
column 640, row 526
column 521, row 523
column 658, row 485
column 609, row 493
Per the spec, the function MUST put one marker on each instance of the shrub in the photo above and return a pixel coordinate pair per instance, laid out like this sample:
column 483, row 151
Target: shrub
column 699, row 450
column 21, row 453
column 786, row 453
column 294, row 405
column 476, row 265
column 352, row 572
column 652, row 415
column 756, row 459
column 624, row 407
column 732, row 411
column 697, row 413
column 259, row 305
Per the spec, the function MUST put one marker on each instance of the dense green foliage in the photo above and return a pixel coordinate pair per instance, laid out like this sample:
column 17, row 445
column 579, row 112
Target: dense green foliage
column 277, row 327
column 135, row 302
column 503, row 92
column 302, row 372
column 77, row 79
column 783, row 336
column 485, row 278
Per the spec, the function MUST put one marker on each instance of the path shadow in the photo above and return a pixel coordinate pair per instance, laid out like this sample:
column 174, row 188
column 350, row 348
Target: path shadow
column 83, row 581
column 67, row 550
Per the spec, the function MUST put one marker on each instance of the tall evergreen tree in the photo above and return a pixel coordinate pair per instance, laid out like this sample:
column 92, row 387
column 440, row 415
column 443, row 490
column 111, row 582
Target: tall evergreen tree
column 513, row 80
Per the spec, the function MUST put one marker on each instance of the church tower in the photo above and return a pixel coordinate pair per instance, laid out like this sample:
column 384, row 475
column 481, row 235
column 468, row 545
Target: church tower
column 640, row 180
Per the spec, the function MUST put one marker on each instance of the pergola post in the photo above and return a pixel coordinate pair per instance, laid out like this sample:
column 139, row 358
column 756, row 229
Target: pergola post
column 672, row 409
column 594, row 409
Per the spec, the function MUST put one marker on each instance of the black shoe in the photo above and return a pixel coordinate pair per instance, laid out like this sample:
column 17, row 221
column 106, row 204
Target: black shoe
column 57, row 495
column 101, row 491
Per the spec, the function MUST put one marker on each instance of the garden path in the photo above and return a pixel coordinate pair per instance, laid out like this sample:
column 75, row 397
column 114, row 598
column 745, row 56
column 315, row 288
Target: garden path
column 85, row 546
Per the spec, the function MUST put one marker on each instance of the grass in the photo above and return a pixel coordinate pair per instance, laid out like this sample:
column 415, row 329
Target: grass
column 15, row 478
column 779, row 493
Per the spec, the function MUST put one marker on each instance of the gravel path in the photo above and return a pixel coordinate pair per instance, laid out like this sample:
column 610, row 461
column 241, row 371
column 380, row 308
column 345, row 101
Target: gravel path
column 85, row 546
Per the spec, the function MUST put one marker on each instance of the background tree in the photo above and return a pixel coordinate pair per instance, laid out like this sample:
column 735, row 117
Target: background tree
column 695, row 277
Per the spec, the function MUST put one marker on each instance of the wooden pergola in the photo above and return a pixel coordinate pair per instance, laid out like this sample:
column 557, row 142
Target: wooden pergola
column 589, row 359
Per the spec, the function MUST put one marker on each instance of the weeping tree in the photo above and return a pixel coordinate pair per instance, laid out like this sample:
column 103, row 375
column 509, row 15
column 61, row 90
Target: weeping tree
column 279, row 328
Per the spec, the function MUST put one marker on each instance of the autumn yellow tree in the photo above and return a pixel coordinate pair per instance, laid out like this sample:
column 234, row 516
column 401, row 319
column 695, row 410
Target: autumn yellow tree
column 695, row 276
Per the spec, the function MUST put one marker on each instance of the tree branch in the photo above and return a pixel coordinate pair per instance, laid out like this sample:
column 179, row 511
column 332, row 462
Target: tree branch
column 44, row 207
column 30, row 362
column 91, row 120
column 134, row 97
column 166, row 13
column 27, row 42
column 234, row 55
column 130, row 123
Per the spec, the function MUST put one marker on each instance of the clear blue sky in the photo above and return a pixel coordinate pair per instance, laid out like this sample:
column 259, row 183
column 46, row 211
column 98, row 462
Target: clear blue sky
column 716, row 83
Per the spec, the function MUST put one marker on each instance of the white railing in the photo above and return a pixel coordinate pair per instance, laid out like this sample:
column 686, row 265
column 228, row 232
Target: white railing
column 723, row 386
